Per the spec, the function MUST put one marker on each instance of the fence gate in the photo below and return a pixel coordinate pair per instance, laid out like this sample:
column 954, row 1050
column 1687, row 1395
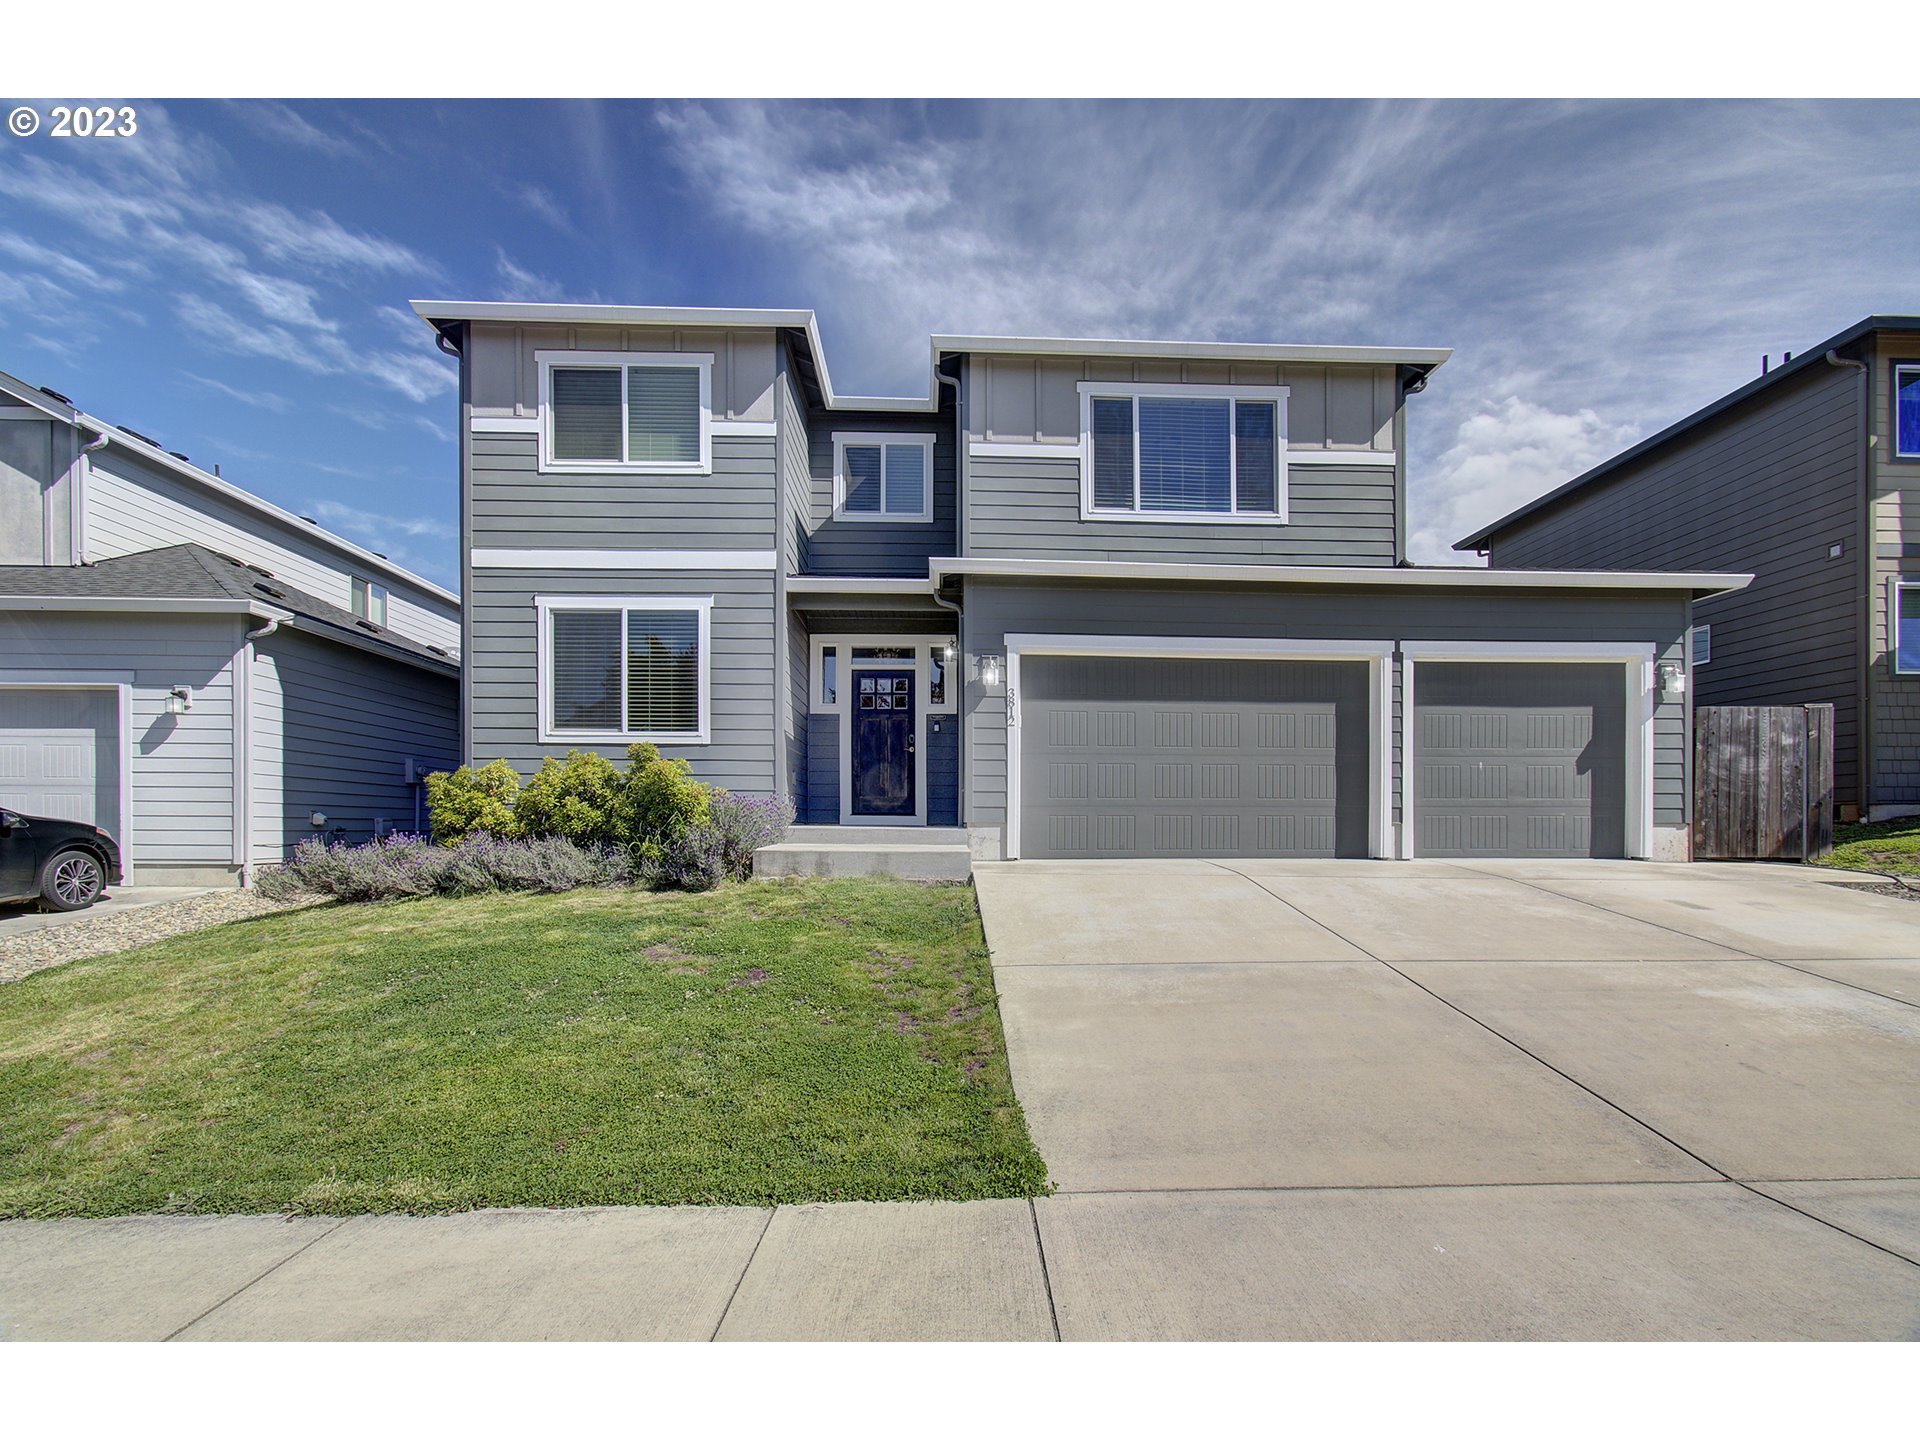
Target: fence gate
column 1762, row 782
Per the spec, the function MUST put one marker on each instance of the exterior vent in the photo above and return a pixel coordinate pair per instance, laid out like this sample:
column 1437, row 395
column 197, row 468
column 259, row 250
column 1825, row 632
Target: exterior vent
column 368, row 626
column 438, row 651
column 147, row 439
column 269, row 591
column 184, row 459
column 54, row 393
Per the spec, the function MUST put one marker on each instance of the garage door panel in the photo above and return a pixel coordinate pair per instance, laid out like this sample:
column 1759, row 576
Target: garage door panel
column 1520, row 760
column 58, row 754
column 1253, row 758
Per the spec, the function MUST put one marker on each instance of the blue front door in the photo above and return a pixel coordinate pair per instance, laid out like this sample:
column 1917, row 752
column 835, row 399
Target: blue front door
column 883, row 743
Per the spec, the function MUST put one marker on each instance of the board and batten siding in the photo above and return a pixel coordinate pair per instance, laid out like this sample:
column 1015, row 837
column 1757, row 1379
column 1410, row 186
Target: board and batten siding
column 1028, row 506
column 997, row 608
column 181, row 773
column 38, row 463
column 870, row 547
column 796, row 477
column 319, row 745
column 505, row 376
column 1768, row 488
column 505, row 658
column 1895, row 699
column 133, row 505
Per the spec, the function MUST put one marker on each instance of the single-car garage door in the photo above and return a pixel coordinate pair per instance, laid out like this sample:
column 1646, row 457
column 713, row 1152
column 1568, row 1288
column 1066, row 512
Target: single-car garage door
column 1519, row 760
column 1126, row 756
column 58, row 754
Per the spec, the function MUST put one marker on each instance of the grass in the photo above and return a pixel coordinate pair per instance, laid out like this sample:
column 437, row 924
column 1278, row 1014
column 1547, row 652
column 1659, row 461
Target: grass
column 1892, row 847
column 774, row 1042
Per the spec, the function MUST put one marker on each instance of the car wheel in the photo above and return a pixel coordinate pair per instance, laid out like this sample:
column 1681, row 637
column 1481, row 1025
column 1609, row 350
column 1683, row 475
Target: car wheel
column 73, row 881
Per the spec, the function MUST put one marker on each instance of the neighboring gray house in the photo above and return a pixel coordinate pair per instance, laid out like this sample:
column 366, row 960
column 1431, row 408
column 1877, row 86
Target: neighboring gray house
column 1802, row 477
column 196, row 671
column 1084, row 598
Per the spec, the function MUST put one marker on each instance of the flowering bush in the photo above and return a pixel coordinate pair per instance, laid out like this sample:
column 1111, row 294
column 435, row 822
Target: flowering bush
column 695, row 859
column 743, row 823
column 402, row 866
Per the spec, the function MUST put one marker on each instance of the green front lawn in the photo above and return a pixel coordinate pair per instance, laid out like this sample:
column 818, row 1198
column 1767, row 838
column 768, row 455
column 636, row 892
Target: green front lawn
column 1892, row 847
column 822, row 1040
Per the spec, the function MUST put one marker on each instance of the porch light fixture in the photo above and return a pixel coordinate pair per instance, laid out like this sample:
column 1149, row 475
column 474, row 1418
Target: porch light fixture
column 1673, row 681
column 179, row 700
column 946, row 653
column 990, row 672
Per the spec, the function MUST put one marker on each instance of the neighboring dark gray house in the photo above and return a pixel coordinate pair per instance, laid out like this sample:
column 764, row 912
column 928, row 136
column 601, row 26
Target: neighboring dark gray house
column 196, row 671
column 1800, row 477
column 1084, row 598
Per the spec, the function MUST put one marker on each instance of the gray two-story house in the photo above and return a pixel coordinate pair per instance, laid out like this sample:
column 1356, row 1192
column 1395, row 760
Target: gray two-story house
column 1800, row 477
column 203, row 675
column 1081, row 599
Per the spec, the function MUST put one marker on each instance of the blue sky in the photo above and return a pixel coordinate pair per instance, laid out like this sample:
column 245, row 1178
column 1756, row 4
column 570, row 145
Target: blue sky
column 233, row 280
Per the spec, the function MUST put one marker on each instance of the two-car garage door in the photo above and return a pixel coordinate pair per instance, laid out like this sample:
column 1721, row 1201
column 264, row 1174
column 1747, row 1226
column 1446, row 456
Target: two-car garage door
column 1124, row 756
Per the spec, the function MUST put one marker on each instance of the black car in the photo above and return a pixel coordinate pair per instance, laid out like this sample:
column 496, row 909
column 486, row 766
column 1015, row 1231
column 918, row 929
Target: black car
column 62, row 863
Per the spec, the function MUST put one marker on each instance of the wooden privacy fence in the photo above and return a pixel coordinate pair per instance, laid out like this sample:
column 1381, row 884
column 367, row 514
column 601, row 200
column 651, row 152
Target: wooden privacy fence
column 1762, row 782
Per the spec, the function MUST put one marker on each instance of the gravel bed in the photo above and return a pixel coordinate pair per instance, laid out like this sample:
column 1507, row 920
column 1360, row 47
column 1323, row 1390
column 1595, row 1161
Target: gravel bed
column 1898, row 891
column 105, row 934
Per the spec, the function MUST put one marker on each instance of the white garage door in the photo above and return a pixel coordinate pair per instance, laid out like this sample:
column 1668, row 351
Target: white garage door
column 58, row 754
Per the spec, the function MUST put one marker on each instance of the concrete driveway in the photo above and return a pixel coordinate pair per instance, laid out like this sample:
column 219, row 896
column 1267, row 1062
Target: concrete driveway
column 1436, row 1100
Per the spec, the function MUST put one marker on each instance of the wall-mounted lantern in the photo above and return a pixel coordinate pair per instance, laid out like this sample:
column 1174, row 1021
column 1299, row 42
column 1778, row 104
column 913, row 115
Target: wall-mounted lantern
column 179, row 700
column 990, row 672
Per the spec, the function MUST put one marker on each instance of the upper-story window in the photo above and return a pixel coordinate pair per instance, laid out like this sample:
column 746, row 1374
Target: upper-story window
column 614, row 410
column 1188, row 452
column 883, row 477
column 1906, row 412
column 369, row 600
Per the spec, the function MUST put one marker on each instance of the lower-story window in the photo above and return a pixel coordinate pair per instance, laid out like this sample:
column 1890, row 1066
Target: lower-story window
column 624, row 669
column 1906, row 627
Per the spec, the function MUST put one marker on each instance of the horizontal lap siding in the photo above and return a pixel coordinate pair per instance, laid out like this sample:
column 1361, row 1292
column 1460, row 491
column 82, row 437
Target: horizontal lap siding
column 823, row 771
column 1029, row 508
column 132, row 506
column 1896, row 534
column 996, row 609
column 858, row 547
column 517, row 506
column 182, row 765
column 742, row 669
column 1767, row 489
column 322, row 743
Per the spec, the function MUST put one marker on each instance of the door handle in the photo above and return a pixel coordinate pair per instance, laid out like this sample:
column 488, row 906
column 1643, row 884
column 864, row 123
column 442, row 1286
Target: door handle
column 910, row 745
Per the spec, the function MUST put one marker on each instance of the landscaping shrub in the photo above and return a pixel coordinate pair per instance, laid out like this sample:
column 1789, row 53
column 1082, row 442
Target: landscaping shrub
column 695, row 859
column 469, row 801
column 583, row 798
column 402, row 866
column 666, row 800
column 743, row 823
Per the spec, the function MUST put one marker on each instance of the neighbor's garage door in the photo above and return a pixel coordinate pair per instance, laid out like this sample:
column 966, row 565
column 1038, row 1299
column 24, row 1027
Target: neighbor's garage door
column 1151, row 757
column 1519, row 760
column 57, row 754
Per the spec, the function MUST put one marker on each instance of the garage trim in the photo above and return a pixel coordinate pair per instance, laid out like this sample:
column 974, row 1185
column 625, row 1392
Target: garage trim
column 122, row 686
column 1636, row 663
column 1376, row 654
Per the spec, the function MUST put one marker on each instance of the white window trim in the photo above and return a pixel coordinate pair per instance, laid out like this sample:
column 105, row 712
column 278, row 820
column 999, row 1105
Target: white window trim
column 1093, row 389
column 1695, row 634
column 1893, row 411
column 1895, row 584
column 545, row 605
column 883, row 516
column 548, row 360
column 1636, row 662
column 376, row 599
column 1377, row 655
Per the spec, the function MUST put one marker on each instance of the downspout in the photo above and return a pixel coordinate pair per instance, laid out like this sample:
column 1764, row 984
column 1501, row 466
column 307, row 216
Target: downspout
column 243, row 743
column 1866, row 590
column 77, row 502
column 957, row 668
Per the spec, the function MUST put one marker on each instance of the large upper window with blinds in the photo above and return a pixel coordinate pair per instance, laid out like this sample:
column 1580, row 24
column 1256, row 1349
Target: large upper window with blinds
column 611, row 410
column 883, row 477
column 1188, row 452
column 621, row 670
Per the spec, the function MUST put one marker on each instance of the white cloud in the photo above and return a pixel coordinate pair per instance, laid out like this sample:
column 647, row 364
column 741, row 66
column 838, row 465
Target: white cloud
column 367, row 525
column 282, row 122
column 1500, row 458
column 259, row 399
column 515, row 282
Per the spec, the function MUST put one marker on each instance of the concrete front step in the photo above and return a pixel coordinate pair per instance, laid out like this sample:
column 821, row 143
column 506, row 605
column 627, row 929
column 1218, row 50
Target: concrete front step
column 887, row 836
column 912, row 861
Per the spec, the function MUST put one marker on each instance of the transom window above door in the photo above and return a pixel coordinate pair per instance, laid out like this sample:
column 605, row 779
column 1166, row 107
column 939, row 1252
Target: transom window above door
column 613, row 410
column 1184, row 453
column 883, row 477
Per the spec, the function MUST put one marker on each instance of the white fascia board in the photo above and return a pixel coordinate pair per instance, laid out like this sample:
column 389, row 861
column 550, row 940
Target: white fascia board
column 181, row 605
column 1463, row 577
column 857, row 585
column 1430, row 356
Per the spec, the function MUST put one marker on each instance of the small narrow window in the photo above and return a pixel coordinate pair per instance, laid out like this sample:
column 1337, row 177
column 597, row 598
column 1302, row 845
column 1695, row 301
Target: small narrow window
column 1906, row 628
column 883, row 477
column 1700, row 644
column 937, row 676
column 369, row 601
column 1906, row 412
column 829, row 675
column 1113, row 454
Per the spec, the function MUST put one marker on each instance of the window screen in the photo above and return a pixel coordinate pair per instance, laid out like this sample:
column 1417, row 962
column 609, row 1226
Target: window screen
column 863, row 479
column 1255, row 455
column 585, row 669
column 1113, row 454
column 586, row 414
column 663, row 414
column 906, row 479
